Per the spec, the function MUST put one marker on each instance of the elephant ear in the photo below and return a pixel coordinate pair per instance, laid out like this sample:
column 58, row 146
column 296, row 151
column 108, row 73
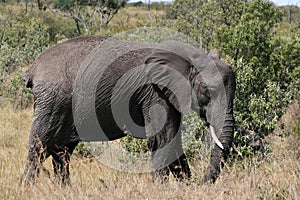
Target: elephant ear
column 170, row 72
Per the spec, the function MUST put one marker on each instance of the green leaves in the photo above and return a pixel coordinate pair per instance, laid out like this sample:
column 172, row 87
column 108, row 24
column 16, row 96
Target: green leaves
column 194, row 134
column 22, row 38
column 263, row 52
column 134, row 145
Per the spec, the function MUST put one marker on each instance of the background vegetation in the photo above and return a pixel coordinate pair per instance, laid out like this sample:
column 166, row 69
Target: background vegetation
column 260, row 41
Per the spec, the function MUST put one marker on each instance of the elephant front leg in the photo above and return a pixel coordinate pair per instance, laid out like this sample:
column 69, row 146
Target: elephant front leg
column 180, row 168
column 163, row 123
column 168, row 158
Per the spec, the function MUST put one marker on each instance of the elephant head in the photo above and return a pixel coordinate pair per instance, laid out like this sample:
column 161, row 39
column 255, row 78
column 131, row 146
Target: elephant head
column 203, row 82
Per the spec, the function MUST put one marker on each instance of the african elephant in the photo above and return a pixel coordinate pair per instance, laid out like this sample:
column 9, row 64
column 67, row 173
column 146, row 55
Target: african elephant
column 95, row 83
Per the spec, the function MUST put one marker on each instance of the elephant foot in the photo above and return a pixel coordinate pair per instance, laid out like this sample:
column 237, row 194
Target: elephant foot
column 62, row 180
column 180, row 169
column 28, row 177
column 161, row 175
column 61, row 171
column 210, row 176
column 31, row 172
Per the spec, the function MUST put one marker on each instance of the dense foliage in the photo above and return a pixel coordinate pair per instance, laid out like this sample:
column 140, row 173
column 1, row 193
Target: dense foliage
column 263, row 52
column 22, row 37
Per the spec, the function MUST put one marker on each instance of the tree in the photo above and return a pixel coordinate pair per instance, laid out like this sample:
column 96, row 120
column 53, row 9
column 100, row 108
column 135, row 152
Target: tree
column 92, row 13
column 194, row 18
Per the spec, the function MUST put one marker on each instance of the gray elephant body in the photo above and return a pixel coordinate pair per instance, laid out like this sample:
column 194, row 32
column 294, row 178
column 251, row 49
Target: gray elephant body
column 83, row 85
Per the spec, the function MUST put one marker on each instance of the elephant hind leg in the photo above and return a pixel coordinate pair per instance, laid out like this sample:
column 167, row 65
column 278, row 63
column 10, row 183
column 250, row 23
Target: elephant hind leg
column 61, row 162
column 36, row 155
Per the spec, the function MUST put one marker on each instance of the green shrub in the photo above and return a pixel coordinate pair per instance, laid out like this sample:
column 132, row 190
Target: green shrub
column 59, row 27
column 12, row 87
column 22, row 38
column 134, row 145
column 265, row 57
column 82, row 150
column 196, row 141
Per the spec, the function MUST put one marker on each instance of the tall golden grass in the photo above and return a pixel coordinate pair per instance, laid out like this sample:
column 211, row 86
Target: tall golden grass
column 276, row 177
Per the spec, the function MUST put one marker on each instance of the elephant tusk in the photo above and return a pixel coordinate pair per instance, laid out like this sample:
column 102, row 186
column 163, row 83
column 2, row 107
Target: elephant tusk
column 214, row 136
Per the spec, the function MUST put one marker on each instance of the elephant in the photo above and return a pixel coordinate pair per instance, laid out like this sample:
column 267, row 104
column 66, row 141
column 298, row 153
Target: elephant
column 94, row 88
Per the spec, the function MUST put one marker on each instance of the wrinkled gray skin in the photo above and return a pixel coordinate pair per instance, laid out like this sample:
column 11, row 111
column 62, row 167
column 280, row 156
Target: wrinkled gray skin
column 53, row 131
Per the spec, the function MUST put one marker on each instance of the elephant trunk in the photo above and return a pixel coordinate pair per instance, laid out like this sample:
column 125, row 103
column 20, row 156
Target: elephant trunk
column 223, row 121
column 219, row 155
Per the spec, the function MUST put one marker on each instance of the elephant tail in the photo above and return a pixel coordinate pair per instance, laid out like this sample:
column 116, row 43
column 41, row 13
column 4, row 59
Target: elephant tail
column 27, row 78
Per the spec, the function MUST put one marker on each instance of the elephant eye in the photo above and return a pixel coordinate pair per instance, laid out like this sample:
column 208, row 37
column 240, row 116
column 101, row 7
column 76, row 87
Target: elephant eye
column 195, row 55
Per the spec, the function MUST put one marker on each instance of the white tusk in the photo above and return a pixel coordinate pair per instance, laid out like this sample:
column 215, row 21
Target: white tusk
column 214, row 136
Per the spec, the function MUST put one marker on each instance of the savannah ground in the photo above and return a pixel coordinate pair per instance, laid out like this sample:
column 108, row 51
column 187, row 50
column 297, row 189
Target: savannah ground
column 276, row 177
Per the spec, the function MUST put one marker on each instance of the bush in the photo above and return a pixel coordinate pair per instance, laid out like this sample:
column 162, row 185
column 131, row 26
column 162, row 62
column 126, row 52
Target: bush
column 265, row 57
column 134, row 145
column 196, row 140
column 23, row 37
column 12, row 87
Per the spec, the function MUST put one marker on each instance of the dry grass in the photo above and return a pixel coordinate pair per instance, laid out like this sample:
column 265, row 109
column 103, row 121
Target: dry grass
column 277, row 177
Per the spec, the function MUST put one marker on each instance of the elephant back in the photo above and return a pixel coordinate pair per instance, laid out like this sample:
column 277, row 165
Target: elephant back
column 59, row 64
